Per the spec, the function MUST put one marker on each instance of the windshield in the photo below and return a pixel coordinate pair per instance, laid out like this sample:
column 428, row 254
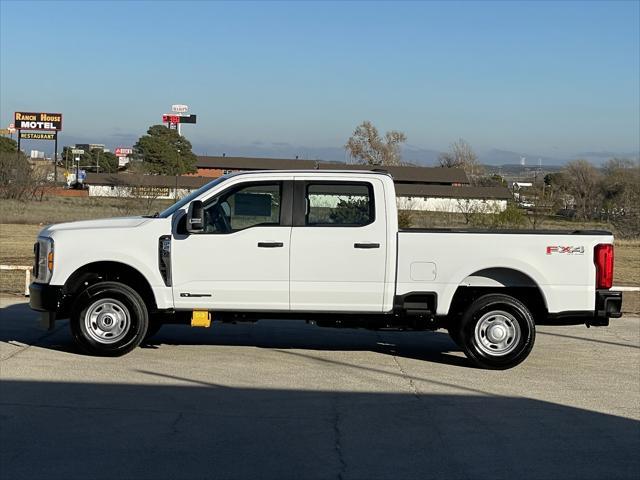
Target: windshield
column 195, row 194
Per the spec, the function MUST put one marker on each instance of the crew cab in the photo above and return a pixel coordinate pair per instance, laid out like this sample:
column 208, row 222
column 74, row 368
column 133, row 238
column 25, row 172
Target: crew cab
column 322, row 246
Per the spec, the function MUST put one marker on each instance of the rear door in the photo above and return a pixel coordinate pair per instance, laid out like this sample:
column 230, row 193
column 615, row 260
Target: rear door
column 338, row 246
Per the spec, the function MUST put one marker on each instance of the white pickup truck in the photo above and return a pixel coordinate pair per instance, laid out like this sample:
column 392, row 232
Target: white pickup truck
column 322, row 246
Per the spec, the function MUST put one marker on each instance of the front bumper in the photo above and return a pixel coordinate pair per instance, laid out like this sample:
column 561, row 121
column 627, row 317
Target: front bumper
column 46, row 299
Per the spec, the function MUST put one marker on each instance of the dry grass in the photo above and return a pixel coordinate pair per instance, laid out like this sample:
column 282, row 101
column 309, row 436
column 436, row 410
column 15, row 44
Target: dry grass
column 456, row 220
column 627, row 262
column 69, row 209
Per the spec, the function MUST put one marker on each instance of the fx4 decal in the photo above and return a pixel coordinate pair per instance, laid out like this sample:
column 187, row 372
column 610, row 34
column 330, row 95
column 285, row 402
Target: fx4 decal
column 553, row 249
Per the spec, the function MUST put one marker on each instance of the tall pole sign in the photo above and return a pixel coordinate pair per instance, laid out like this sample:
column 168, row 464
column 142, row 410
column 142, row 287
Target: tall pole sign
column 46, row 127
column 178, row 117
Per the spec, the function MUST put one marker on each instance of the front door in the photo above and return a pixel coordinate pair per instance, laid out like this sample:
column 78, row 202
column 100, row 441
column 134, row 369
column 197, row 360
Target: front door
column 338, row 246
column 241, row 259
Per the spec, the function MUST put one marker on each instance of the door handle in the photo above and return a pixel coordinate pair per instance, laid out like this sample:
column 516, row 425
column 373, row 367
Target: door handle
column 366, row 245
column 270, row 244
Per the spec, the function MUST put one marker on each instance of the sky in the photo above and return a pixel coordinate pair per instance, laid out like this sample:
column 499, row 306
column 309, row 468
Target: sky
column 550, row 78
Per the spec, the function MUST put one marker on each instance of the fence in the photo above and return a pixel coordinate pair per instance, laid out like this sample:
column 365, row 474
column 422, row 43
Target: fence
column 27, row 275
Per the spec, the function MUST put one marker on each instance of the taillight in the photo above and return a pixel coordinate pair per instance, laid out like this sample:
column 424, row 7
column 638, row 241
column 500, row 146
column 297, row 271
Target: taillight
column 603, row 258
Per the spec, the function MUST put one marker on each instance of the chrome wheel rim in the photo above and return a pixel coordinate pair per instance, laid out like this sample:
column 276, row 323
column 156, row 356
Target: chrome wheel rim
column 107, row 321
column 497, row 333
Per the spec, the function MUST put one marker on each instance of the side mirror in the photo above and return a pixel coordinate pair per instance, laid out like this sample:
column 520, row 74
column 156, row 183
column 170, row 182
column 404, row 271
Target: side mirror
column 195, row 217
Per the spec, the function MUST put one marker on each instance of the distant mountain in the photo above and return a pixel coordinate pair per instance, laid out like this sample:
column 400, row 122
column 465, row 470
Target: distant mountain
column 273, row 150
column 601, row 157
column 420, row 156
column 506, row 157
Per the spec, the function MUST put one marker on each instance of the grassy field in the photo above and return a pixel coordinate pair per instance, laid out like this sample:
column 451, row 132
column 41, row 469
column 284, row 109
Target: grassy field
column 20, row 223
column 69, row 209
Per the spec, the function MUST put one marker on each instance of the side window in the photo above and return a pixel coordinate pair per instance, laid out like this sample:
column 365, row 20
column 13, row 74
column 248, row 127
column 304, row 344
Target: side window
column 339, row 204
column 245, row 207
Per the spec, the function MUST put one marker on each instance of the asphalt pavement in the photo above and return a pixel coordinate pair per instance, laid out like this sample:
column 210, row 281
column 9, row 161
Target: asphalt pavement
column 290, row 400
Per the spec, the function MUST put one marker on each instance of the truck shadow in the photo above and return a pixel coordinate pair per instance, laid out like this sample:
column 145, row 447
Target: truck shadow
column 19, row 325
column 199, row 429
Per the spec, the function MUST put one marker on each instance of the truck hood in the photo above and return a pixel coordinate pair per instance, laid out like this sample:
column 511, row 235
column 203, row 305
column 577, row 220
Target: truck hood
column 123, row 222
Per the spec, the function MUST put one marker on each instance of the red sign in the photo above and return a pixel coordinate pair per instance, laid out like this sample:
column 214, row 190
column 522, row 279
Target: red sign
column 123, row 151
column 171, row 119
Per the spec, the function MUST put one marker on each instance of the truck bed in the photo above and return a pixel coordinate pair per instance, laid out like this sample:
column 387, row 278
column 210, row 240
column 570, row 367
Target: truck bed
column 559, row 263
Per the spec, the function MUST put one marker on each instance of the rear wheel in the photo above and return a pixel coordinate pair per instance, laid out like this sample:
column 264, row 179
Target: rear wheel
column 497, row 331
column 109, row 319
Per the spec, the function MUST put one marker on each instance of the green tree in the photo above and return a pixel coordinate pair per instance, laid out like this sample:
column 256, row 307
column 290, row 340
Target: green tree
column 165, row 152
column 8, row 145
column 68, row 158
column 101, row 161
column 351, row 211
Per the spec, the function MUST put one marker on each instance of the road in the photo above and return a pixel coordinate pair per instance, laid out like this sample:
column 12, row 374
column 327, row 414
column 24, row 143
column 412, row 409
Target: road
column 288, row 400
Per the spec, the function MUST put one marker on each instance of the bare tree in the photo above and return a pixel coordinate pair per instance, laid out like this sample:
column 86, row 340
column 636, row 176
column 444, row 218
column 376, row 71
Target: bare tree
column 581, row 182
column 368, row 147
column 620, row 189
column 461, row 155
column 470, row 209
column 544, row 203
column 19, row 179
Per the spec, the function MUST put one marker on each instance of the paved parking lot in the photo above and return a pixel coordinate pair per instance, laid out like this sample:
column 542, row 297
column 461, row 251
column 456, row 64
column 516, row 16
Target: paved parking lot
column 286, row 400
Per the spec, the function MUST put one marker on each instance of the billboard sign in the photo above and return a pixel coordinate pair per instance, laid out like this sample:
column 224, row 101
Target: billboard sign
column 38, row 135
column 38, row 121
column 179, row 108
column 168, row 118
column 77, row 151
column 175, row 119
column 123, row 151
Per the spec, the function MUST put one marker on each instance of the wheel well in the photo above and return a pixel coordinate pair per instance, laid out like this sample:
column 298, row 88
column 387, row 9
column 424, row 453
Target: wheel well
column 110, row 271
column 531, row 296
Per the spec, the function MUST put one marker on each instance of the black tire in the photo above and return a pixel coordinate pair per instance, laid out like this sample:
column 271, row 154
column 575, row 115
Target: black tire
column 487, row 326
column 109, row 319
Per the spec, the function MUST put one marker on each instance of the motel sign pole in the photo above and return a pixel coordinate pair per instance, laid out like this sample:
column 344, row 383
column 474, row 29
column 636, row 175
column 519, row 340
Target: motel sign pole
column 55, row 161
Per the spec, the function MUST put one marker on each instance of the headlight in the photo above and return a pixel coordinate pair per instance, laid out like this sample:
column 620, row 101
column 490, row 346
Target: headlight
column 43, row 267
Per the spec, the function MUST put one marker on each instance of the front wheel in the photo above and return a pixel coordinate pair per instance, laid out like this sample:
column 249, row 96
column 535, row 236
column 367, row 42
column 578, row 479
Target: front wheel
column 497, row 332
column 109, row 319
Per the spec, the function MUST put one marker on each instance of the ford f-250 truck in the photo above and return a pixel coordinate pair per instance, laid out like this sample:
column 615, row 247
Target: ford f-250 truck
column 321, row 246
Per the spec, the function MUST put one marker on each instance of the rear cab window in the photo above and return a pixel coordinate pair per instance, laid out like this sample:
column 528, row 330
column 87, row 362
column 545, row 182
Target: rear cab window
column 339, row 204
